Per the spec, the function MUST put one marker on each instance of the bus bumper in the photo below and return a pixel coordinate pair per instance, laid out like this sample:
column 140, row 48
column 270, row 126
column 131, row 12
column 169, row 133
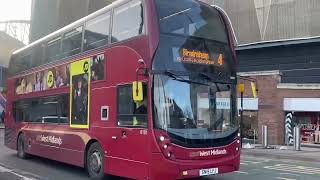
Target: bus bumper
column 163, row 168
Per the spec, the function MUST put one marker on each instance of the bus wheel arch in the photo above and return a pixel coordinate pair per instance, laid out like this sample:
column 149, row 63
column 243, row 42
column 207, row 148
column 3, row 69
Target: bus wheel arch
column 94, row 160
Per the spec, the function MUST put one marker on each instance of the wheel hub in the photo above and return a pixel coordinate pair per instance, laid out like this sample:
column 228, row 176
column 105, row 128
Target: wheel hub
column 95, row 162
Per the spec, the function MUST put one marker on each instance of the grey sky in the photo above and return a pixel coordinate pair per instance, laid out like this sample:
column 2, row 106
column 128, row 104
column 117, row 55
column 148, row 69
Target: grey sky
column 15, row 10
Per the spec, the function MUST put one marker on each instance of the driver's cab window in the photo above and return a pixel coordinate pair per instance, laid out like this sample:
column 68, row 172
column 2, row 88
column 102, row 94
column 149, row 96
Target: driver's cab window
column 131, row 113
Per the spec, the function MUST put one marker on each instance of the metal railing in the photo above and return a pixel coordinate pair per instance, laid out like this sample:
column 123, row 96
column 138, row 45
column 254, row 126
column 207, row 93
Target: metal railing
column 18, row 29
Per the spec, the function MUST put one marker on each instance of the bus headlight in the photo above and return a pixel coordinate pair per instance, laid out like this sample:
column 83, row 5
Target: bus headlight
column 161, row 138
column 165, row 146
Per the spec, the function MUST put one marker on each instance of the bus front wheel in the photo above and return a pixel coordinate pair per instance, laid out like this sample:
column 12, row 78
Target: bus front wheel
column 21, row 147
column 95, row 162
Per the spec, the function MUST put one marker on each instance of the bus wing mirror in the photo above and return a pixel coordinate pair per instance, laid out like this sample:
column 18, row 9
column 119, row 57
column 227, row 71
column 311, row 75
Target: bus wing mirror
column 137, row 91
column 142, row 69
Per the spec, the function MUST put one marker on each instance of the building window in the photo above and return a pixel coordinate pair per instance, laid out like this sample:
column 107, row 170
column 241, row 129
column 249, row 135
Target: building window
column 127, row 21
column 130, row 113
column 97, row 32
column 72, row 42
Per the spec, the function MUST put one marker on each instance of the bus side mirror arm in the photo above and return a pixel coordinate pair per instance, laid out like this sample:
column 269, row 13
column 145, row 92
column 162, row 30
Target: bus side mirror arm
column 141, row 70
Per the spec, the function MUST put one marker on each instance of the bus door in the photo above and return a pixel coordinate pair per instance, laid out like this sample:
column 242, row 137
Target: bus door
column 129, row 150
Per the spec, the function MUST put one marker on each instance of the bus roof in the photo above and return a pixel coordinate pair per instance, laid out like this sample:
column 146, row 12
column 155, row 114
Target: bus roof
column 72, row 25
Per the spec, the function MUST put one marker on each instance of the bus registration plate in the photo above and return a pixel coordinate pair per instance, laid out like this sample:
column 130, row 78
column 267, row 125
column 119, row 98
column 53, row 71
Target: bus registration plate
column 206, row 172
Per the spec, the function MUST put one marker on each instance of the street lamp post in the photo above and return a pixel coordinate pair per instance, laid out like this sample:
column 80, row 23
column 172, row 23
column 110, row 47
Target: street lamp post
column 241, row 118
column 241, row 90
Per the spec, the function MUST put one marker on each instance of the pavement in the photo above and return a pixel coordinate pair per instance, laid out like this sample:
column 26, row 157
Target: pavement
column 309, row 154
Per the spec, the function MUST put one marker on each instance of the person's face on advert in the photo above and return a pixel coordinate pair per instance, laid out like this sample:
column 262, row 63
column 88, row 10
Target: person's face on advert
column 38, row 77
column 79, row 84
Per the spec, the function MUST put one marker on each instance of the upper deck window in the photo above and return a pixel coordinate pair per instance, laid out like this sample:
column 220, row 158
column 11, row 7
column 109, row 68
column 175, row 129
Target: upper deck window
column 37, row 55
column 72, row 42
column 97, row 32
column 20, row 63
column 191, row 18
column 128, row 21
column 193, row 39
column 53, row 49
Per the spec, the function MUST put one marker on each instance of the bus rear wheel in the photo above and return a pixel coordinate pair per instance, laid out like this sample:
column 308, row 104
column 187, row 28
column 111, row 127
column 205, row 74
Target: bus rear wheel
column 95, row 162
column 21, row 147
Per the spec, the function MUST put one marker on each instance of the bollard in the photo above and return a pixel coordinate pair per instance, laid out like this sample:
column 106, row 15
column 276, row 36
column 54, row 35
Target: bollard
column 254, row 136
column 265, row 136
column 296, row 139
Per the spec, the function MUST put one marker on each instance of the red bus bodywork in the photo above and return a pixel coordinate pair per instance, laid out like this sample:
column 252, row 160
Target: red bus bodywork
column 138, row 155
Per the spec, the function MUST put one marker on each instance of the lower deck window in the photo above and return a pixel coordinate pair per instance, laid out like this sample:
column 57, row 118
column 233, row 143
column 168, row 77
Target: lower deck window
column 52, row 109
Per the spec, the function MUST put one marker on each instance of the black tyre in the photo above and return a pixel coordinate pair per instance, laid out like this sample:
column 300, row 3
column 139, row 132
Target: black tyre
column 95, row 162
column 21, row 147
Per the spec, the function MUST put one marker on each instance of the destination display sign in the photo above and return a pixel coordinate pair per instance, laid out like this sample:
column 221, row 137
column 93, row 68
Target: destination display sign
column 200, row 57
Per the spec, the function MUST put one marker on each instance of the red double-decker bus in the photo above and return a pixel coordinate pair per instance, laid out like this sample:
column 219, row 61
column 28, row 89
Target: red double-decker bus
column 144, row 89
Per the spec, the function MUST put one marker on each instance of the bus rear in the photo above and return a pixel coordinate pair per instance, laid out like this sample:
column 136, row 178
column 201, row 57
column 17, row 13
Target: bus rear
column 196, row 130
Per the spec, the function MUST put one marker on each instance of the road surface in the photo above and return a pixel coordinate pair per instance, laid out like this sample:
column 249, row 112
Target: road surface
column 252, row 168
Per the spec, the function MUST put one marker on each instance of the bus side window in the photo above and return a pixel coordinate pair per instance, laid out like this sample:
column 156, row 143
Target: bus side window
column 20, row 63
column 96, row 32
column 37, row 55
column 51, row 109
column 130, row 113
column 44, row 110
column 17, row 112
column 64, row 109
column 20, row 109
column 127, row 21
column 53, row 50
column 71, row 44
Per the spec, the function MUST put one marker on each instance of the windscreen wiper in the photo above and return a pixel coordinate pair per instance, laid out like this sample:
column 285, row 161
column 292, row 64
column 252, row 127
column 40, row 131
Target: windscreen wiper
column 173, row 75
column 204, row 75
column 207, row 77
column 181, row 79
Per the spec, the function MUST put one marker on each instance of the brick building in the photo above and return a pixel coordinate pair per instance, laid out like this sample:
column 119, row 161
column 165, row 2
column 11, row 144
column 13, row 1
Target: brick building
column 279, row 46
column 288, row 76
